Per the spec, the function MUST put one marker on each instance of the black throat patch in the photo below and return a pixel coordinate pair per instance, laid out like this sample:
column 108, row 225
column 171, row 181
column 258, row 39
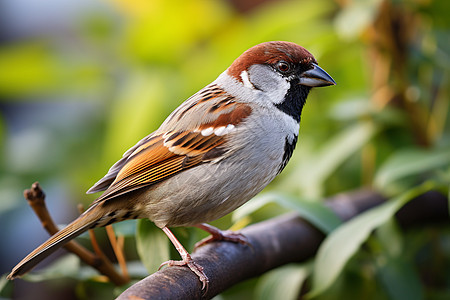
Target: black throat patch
column 294, row 100
column 289, row 147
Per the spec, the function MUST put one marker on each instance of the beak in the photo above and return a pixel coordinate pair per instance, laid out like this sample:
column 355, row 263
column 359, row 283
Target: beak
column 316, row 77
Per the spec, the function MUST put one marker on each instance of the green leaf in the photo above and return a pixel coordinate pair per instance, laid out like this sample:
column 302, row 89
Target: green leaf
column 396, row 273
column 6, row 289
column 252, row 206
column 286, row 281
column 342, row 243
column 400, row 278
column 314, row 212
column 152, row 245
column 390, row 237
column 411, row 162
column 318, row 168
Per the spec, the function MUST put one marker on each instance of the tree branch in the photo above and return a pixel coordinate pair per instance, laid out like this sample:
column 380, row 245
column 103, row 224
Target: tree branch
column 36, row 199
column 275, row 242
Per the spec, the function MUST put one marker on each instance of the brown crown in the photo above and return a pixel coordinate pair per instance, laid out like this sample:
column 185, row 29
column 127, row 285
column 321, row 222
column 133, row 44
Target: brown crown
column 270, row 53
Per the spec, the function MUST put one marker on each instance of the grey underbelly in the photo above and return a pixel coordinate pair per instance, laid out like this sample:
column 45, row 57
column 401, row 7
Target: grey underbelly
column 206, row 192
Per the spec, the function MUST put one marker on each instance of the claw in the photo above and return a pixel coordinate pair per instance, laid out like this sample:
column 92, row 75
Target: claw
column 191, row 264
column 216, row 235
column 219, row 235
column 228, row 236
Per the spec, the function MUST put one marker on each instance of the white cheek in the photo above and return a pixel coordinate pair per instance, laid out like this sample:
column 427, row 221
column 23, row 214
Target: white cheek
column 272, row 90
column 277, row 94
column 246, row 80
column 271, row 84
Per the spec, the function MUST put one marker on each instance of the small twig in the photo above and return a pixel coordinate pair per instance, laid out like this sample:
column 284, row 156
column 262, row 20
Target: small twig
column 36, row 199
column 94, row 243
column 118, row 251
column 122, row 261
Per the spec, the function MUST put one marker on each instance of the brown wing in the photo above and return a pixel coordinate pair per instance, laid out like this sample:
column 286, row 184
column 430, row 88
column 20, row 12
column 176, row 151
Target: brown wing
column 109, row 178
column 164, row 154
column 211, row 106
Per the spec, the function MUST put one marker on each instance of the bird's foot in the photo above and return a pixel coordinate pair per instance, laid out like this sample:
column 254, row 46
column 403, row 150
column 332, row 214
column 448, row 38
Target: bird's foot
column 191, row 264
column 219, row 235
column 186, row 260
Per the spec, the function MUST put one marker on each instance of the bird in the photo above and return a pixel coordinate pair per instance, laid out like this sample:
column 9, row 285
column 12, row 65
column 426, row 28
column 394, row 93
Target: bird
column 212, row 154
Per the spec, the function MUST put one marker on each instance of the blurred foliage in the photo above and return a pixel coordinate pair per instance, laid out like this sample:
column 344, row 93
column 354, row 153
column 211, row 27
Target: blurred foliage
column 73, row 100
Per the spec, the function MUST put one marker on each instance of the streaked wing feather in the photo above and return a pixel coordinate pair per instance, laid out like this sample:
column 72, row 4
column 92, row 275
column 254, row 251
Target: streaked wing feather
column 158, row 162
column 109, row 178
column 177, row 145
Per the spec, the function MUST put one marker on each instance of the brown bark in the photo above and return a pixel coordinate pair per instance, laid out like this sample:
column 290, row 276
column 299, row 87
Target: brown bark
column 274, row 242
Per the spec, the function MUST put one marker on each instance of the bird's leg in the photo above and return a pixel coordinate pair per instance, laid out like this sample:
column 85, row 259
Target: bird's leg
column 219, row 235
column 186, row 259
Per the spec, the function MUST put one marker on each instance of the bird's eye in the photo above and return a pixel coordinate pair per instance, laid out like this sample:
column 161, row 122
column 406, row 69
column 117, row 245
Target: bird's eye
column 283, row 66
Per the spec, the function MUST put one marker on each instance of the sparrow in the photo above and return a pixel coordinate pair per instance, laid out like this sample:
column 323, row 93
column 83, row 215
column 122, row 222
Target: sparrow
column 213, row 153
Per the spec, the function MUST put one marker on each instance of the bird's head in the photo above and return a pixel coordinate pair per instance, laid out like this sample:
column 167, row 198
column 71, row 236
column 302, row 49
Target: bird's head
column 283, row 71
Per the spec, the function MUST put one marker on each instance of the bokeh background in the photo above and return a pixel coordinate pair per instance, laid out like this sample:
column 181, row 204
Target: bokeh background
column 82, row 81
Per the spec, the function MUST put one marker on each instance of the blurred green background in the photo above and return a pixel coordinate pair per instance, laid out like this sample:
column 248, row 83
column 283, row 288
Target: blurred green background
column 82, row 81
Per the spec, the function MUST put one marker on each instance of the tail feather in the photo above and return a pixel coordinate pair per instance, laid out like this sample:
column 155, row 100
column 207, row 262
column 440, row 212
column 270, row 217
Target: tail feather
column 78, row 226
